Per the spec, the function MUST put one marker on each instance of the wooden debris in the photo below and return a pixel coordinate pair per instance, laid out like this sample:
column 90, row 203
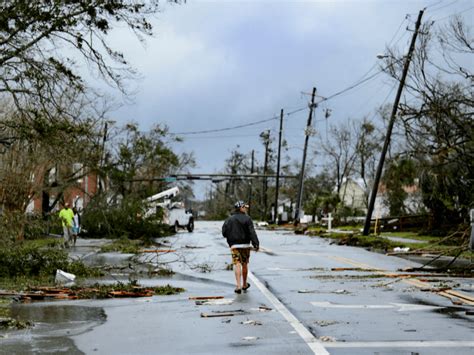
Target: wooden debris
column 217, row 302
column 144, row 293
column 41, row 293
column 205, row 297
column 222, row 314
column 158, row 251
column 435, row 289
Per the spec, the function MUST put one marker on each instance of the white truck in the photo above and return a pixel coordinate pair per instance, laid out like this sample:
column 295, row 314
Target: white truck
column 174, row 213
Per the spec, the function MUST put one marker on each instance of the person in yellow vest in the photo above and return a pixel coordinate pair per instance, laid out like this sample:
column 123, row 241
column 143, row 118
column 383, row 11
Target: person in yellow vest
column 66, row 215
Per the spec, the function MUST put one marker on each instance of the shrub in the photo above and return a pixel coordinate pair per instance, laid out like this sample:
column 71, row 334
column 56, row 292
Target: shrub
column 33, row 259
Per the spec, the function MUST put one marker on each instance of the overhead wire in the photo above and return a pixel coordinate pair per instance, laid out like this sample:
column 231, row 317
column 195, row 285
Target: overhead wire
column 441, row 7
column 239, row 126
column 361, row 81
column 454, row 14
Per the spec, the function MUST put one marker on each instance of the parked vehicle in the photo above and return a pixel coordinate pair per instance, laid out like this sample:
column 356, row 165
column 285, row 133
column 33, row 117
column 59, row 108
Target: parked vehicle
column 174, row 213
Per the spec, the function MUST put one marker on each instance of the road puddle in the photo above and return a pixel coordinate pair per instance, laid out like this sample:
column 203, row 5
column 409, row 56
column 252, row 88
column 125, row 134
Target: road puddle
column 54, row 327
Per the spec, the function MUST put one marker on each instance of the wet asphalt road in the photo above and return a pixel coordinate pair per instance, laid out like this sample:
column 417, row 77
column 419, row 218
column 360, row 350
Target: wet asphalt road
column 296, row 305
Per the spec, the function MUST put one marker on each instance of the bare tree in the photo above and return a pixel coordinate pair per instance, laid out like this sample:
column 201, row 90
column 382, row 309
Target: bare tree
column 436, row 117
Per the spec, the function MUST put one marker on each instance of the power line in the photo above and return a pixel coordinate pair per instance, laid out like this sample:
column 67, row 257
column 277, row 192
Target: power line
column 399, row 27
column 353, row 86
column 456, row 13
column 441, row 7
column 238, row 126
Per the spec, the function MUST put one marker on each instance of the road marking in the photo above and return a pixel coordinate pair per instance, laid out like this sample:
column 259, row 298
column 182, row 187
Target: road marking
column 314, row 344
column 302, row 253
column 451, row 294
column 402, row 344
column 403, row 307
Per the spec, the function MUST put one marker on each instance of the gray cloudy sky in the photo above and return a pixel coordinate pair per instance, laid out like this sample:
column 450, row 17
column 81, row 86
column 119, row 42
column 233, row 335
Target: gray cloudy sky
column 218, row 64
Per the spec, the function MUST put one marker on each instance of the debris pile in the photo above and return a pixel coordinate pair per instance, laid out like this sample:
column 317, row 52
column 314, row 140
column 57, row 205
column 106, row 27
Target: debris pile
column 95, row 291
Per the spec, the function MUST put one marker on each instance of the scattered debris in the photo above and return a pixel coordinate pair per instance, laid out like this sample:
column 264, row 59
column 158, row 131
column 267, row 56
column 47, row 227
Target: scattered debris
column 325, row 323
column 216, row 302
column 223, row 313
column 252, row 322
column 141, row 293
column 456, row 302
column 250, row 338
column 95, row 291
column 193, row 247
column 204, row 267
column 205, row 297
column 435, row 289
column 387, row 283
column 158, row 251
column 64, row 277
column 327, row 338
column 403, row 250
column 225, row 321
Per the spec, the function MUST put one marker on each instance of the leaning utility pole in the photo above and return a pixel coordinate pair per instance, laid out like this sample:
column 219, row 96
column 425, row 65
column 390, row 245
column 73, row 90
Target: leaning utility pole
column 391, row 122
column 307, row 134
column 277, row 182
column 250, row 185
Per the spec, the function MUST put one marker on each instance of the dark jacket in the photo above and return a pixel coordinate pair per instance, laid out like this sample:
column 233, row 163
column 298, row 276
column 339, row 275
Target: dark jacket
column 238, row 229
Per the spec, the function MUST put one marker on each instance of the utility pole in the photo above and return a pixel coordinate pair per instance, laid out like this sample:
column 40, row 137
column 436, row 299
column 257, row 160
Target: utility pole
column 266, row 137
column 102, row 158
column 312, row 106
column 250, row 185
column 277, row 182
column 391, row 122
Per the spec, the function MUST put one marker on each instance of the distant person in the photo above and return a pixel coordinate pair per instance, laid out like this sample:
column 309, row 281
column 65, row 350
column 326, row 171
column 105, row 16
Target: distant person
column 239, row 231
column 66, row 215
column 76, row 224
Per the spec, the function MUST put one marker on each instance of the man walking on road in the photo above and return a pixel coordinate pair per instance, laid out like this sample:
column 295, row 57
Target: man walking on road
column 239, row 231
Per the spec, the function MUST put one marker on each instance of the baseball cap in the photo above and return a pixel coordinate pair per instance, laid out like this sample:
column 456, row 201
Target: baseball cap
column 240, row 204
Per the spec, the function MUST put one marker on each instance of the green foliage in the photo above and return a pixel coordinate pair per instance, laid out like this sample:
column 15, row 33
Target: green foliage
column 38, row 259
column 11, row 323
column 141, row 156
column 123, row 220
